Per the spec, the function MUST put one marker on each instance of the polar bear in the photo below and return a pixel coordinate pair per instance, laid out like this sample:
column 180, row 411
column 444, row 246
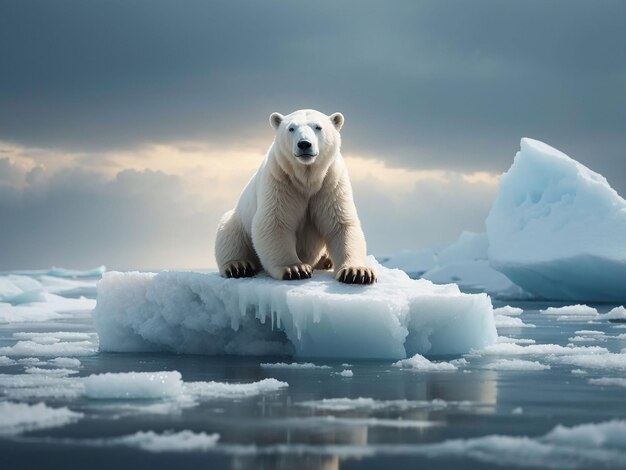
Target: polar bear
column 297, row 212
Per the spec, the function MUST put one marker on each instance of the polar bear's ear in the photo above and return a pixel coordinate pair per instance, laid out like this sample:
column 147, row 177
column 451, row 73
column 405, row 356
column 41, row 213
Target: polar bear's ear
column 276, row 119
column 337, row 120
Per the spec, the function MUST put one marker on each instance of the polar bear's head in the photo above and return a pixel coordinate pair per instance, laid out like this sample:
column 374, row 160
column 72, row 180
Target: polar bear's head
column 307, row 136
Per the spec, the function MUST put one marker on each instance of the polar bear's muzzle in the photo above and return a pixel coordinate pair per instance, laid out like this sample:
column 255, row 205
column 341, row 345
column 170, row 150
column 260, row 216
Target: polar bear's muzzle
column 305, row 152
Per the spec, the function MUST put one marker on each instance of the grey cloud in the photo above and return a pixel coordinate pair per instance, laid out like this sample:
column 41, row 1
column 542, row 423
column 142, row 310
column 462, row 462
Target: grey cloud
column 78, row 218
column 433, row 84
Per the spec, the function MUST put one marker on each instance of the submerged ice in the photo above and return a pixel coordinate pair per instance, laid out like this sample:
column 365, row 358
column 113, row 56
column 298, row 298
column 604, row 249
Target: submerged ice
column 206, row 314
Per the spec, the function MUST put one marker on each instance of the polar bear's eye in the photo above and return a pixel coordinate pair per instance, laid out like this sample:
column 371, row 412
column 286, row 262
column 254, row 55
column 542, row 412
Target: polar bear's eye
column 291, row 129
column 318, row 128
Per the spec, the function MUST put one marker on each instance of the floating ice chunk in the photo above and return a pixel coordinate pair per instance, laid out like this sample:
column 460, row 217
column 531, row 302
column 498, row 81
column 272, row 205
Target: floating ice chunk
column 64, row 304
column 21, row 417
column 579, row 372
column 346, row 373
column 293, row 365
column 421, row 364
column 613, row 361
column 134, row 385
column 610, row 434
column 618, row 314
column 509, row 349
column 518, row 411
column 94, row 273
column 69, row 287
column 182, row 441
column 517, row 365
column 619, row 381
column 210, row 390
column 544, row 228
column 76, row 273
column 38, row 312
column 586, row 339
column 506, row 339
column 571, row 310
column 54, row 372
column 414, row 263
column 40, row 386
column 30, row 348
column 590, row 333
column 315, row 318
column 31, row 361
column 58, row 335
column 461, row 362
column 67, row 362
column 508, row 310
column 505, row 321
column 16, row 289
column 6, row 361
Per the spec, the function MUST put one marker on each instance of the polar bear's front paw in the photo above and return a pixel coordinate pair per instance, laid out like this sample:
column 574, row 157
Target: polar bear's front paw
column 239, row 269
column 356, row 275
column 297, row 271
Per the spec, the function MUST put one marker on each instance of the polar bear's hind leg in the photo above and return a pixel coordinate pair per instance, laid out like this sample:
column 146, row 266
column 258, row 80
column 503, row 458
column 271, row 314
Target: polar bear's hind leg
column 233, row 248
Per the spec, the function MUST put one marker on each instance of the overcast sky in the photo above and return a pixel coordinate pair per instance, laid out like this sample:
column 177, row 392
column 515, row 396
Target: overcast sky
column 128, row 127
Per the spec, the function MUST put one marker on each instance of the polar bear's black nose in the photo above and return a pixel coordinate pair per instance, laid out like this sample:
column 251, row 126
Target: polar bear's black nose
column 304, row 145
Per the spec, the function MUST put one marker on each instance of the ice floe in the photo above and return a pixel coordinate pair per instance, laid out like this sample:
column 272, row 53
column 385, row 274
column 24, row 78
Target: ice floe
column 517, row 365
column 618, row 381
column 421, row 364
column 21, row 417
column 607, row 361
column 508, row 310
column 512, row 349
column 134, row 385
column 315, row 318
column 507, row 321
column 571, row 310
column 60, row 348
column 169, row 441
column 125, row 386
column 618, row 314
column 211, row 390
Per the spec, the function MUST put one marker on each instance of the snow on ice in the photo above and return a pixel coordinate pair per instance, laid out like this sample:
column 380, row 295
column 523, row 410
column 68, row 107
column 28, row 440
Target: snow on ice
column 557, row 229
column 206, row 314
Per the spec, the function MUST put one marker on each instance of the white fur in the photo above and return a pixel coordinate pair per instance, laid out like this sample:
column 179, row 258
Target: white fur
column 296, row 212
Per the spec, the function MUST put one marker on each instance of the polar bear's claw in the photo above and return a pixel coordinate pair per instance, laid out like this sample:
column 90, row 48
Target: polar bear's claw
column 297, row 271
column 239, row 269
column 356, row 275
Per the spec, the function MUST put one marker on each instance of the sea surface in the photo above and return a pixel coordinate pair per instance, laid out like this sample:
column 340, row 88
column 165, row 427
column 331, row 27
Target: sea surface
column 386, row 416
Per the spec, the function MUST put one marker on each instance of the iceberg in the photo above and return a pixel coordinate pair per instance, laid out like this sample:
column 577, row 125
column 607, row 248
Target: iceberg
column 557, row 229
column 203, row 313
column 464, row 262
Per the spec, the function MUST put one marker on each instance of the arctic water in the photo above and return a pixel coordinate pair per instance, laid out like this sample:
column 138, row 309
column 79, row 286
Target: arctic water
column 507, row 407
